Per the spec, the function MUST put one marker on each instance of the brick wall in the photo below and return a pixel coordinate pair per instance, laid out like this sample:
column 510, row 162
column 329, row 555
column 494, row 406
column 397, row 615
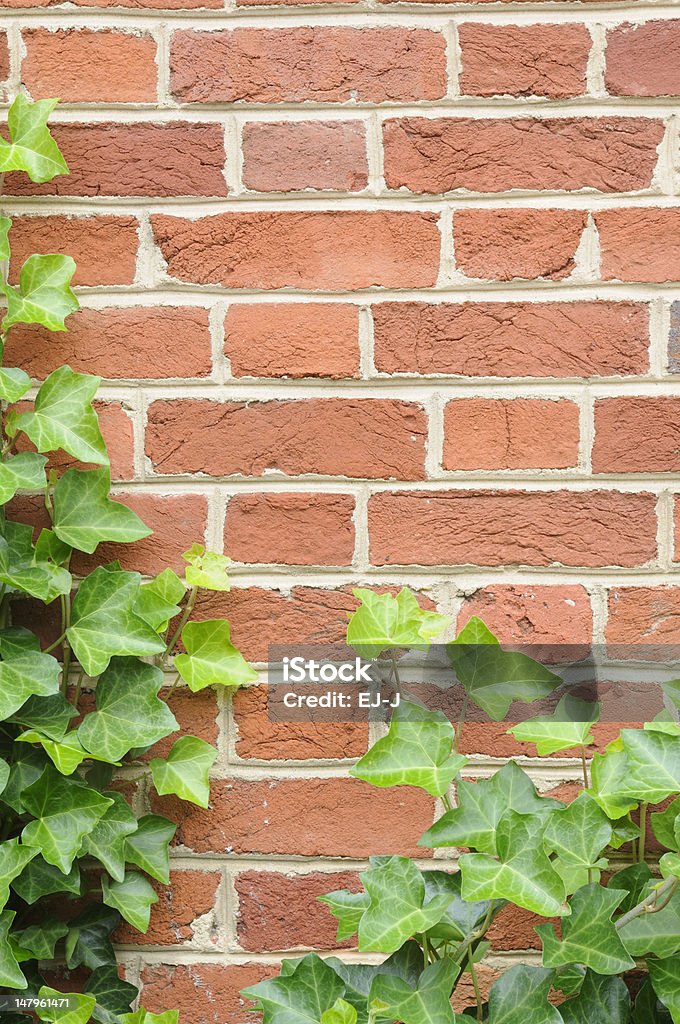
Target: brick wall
column 380, row 293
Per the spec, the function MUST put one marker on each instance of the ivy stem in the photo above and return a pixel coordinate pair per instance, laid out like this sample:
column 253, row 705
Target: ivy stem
column 459, row 727
column 188, row 608
column 79, row 685
column 475, row 985
column 650, row 904
column 446, row 801
column 584, row 767
column 66, row 647
column 57, row 642
column 643, row 833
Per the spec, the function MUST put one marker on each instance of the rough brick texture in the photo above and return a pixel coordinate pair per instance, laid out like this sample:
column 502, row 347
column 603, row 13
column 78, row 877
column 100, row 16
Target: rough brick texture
column 381, row 295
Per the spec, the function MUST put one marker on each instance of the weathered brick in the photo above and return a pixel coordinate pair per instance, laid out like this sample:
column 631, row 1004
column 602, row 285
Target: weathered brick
column 298, row 339
column 644, row 60
column 196, row 713
column 610, row 154
column 595, row 528
column 524, row 60
column 104, row 248
column 503, row 244
column 519, row 339
column 640, row 245
column 4, row 62
column 292, row 529
column 532, row 614
column 304, row 817
column 301, row 64
column 643, row 615
column 190, row 896
column 174, row 159
column 372, row 438
column 278, row 912
column 512, row 433
column 305, row 249
column 204, row 993
column 286, row 156
column 86, row 65
column 265, row 740
column 119, row 343
column 637, row 435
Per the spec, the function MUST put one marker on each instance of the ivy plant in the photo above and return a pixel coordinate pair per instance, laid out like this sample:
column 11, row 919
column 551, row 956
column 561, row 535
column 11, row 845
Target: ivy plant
column 610, row 944
column 81, row 710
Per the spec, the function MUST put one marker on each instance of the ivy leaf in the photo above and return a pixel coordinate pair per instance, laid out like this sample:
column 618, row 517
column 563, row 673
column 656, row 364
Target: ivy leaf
column 300, row 997
column 398, row 907
column 406, row 963
column 158, row 601
column 26, row 676
column 40, row 879
column 13, row 860
column 567, row 727
column 655, row 756
column 23, row 472
column 462, row 917
column 88, row 942
column 665, row 977
column 84, row 515
column 520, row 996
column 129, row 713
column 670, row 865
column 579, row 833
column 648, row 1009
column 5, row 225
column 340, row 1013
column 64, row 811
column 4, row 774
column 40, row 939
column 609, row 775
column 66, row 754
column 44, row 295
column 110, row 991
column 383, row 622
column 634, row 880
column 11, row 975
column 148, row 847
column 31, row 149
column 14, row 383
column 589, row 936
column 21, row 569
column 48, row 715
column 522, row 874
column 132, row 898
column 107, row 841
column 78, row 1011
column 63, row 417
column 347, row 908
column 666, row 825
column 480, row 806
column 417, row 751
column 27, row 766
column 185, row 770
column 206, row 569
column 494, row 678
column 142, row 1016
column 104, row 623
column 211, row 657
column 601, row 999
column 475, row 632
column 428, row 1003
column 658, row 933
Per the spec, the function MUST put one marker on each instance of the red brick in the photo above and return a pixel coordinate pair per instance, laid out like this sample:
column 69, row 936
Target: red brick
column 204, row 993
column 640, row 245
column 513, row 433
column 190, row 895
column 520, row 339
column 676, row 530
column 265, row 740
column 502, row 244
column 166, row 5
column 90, row 66
column 279, row 912
column 287, row 156
column 303, row 249
column 524, row 60
column 644, row 615
column 174, row 159
column 637, row 435
column 177, row 521
column 532, row 614
column 611, row 154
column 369, row 438
column 579, row 528
column 291, row 529
column 104, row 248
column 301, row 339
column 196, row 713
column 303, row 817
column 120, row 343
column 4, row 62
column 295, row 65
column 513, row 928
column 644, row 60
column 464, row 994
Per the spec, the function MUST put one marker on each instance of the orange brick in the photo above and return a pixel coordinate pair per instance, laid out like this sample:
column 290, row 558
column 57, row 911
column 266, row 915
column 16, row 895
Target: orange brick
column 104, row 248
column 190, row 895
column 503, row 244
column 293, row 155
column 204, row 993
column 532, row 614
column 637, row 435
column 292, row 529
column 644, row 615
column 639, row 245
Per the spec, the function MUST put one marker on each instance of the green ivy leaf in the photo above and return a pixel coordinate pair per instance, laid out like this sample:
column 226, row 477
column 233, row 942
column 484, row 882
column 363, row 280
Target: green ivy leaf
column 21, row 569
column 44, row 295
column 520, row 996
column 398, row 908
column 494, row 678
column 383, row 622
column 40, row 939
column 107, row 841
column 475, row 632
column 601, row 999
column 211, row 657
column 85, row 516
column 340, row 1013
column 655, row 756
column 66, row 754
column 417, row 751
column 462, row 917
column 110, row 991
column 14, row 384
column 78, row 1011
column 27, row 766
column 158, row 601
column 148, row 847
column 206, row 569
column 143, row 1016
column 47, row 715
column 11, row 975
column 64, row 811
column 429, row 1002
column 568, row 726
column 522, row 874
column 665, row 978
column 347, row 908
column 104, row 623
column 23, row 472
column 132, row 898
column 5, row 226
column 609, row 778
column 88, row 941
column 480, row 806
column 648, row 1009
column 13, row 860
column 589, row 936
column 300, row 997
column 26, row 676
column 129, row 712
column 32, row 148
column 63, row 417
column 666, row 825
column 658, row 934
column 40, row 879
column 185, row 771
column 579, row 833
